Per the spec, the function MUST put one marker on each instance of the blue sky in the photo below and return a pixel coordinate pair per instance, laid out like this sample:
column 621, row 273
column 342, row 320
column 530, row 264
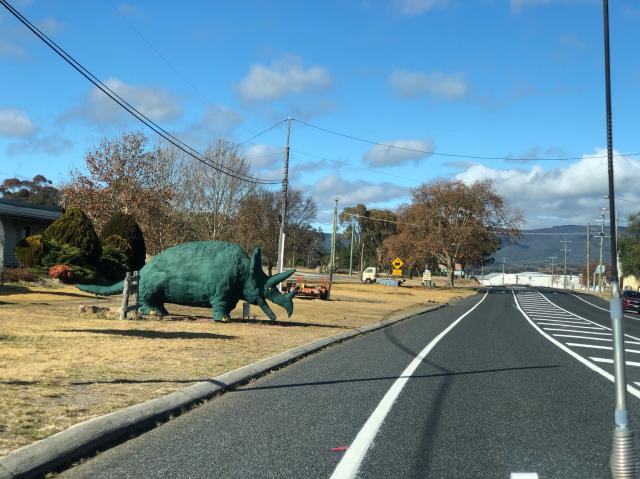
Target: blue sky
column 499, row 78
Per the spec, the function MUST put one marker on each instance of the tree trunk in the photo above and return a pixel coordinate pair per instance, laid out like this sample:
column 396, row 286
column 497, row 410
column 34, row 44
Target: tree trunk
column 452, row 278
column 270, row 268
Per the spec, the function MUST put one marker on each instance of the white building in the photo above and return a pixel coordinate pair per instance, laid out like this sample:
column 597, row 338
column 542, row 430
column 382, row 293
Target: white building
column 531, row 278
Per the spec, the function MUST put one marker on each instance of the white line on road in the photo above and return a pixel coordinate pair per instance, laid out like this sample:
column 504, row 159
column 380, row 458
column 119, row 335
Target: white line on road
column 579, row 337
column 610, row 361
column 600, row 307
column 545, row 323
column 348, row 466
column 574, row 331
column 589, row 364
column 595, row 346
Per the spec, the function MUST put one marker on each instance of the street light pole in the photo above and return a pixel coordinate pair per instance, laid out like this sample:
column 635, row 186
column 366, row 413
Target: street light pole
column 283, row 206
column 624, row 455
column 553, row 263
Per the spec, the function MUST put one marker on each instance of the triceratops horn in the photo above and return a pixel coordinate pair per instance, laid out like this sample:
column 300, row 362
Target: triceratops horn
column 278, row 278
column 266, row 309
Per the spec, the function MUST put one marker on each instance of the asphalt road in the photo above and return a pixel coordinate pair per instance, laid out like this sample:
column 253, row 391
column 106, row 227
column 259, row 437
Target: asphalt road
column 504, row 390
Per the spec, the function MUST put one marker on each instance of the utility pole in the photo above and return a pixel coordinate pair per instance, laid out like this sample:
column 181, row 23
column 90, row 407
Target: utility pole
column 353, row 227
column 553, row 263
column 624, row 455
column 504, row 260
column 588, row 283
column 600, row 267
column 565, row 241
column 332, row 265
column 283, row 209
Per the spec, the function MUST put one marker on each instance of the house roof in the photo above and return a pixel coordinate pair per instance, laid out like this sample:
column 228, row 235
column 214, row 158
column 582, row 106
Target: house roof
column 18, row 209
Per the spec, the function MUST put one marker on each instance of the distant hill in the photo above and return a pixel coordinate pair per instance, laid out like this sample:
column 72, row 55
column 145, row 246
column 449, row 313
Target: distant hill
column 533, row 250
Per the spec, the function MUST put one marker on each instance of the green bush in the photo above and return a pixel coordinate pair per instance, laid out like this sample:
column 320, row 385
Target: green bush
column 74, row 228
column 125, row 226
column 113, row 263
column 62, row 253
column 30, row 250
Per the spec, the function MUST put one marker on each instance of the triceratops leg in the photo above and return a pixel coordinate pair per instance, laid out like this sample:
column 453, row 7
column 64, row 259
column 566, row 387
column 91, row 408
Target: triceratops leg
column 219, row 311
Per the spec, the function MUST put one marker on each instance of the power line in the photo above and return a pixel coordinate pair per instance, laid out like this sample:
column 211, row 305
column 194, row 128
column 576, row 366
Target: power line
column 450, row 155
column 134, row 112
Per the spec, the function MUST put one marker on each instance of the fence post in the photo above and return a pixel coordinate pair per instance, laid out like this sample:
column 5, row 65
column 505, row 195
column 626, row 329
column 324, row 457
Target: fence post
column 125, row 296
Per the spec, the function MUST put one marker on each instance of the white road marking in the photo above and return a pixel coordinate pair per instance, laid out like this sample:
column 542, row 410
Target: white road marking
column 574, row 331
column 544, row 323
column 348, row 466
column 589, row 364
column 579, row 337
column 600, row 307
column 524, row 475
column 595, row 346
column 588, row 320
column 562, row 321
column 610, row 361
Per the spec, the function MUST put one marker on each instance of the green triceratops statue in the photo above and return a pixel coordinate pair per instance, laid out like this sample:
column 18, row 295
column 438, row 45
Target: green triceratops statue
column 214, row 274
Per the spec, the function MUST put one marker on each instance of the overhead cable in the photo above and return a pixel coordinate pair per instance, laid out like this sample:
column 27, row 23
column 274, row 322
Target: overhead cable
column 449, row 155
column 137, row 114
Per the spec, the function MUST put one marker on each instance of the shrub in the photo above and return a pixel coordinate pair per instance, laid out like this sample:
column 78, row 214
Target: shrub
column 30, row 250
column 62, row 253
column 14, row 275
column 125, row 226
column 71, row 274
column 118, row 243
column 74, row 228
column 113, row 263
column 61, row 272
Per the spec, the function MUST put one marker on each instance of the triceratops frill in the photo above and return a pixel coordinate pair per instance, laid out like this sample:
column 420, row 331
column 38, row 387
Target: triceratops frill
column 214, row 274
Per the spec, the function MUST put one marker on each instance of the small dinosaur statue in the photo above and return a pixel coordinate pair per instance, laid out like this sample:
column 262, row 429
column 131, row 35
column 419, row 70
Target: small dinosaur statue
column 205, row 273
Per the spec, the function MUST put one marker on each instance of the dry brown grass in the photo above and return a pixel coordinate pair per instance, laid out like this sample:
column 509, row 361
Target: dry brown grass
column 60, row 366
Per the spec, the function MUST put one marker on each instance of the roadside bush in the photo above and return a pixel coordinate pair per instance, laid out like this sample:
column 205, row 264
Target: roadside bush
column 71, row 274
column 62, row 253
column 61, row 272
column 125, row 226
column 113, row 263
column 15, row 275
column 30, row 250
column 74, row 228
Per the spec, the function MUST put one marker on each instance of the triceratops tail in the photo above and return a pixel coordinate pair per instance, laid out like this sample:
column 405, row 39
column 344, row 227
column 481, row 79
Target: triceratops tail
column 102, row 290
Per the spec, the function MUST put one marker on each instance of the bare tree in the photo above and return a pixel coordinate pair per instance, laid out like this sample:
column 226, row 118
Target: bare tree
column 212, row 198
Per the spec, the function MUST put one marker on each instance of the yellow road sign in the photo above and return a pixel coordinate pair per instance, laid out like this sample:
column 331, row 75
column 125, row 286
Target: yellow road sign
column 397, row 263
column 396, row 272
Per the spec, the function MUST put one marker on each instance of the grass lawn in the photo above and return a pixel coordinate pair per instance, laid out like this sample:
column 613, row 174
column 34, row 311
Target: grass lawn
column 60, row 366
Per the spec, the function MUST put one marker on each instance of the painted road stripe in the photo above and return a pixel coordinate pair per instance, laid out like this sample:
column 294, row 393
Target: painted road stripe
column 524, row 475
column 574, row 331
column 595, row 346
column 579, row 337
column 589, row 364
column 562, row 321
column 348, row 466
column 588, row 320
column 600, row 307
column 543, row 323
column 610, row 361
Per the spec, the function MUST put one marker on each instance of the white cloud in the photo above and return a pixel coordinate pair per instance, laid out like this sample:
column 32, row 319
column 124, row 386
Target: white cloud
column 356, row 191
column 15, row 123
column 129, row 10
column 218, row 121
column 418, row 7
column 265, row 157
column 386, row 156
column 565, row 194
column 518, row 5
column 156, row 103
column 283, row 77
column 50, row 25
column 52, row 145
column 441, row 85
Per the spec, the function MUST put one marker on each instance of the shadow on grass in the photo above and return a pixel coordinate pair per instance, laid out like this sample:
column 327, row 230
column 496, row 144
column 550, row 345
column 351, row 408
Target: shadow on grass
column 139, row 381
column 13, row 289
column 267, row 322
column 141, row 333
